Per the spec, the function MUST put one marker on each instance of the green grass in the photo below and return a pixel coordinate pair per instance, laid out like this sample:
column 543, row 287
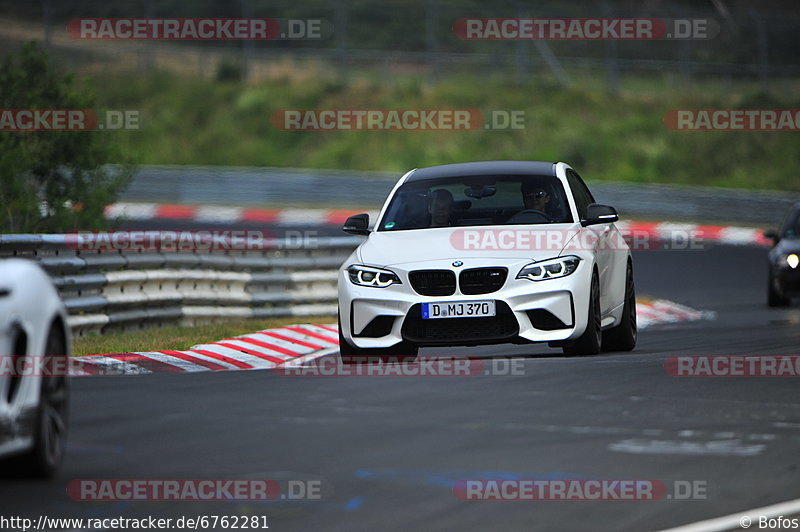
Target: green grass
column 605, row 137
column 179, row 338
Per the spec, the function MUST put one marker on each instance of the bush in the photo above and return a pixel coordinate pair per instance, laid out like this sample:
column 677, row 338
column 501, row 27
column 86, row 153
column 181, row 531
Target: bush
column 53, row 181
column 229, row 70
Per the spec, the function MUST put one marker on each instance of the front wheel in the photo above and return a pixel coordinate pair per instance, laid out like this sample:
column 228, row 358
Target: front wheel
column 349, row 354
column 591, row 339
column 50, row 432
column 623, row 336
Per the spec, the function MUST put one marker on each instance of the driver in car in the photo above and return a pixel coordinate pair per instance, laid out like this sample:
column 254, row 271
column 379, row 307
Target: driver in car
column 535, row 197
column 538, row 205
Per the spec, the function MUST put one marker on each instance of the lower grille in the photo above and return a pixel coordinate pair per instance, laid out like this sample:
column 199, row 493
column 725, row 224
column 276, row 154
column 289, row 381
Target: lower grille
column 461, row 331
column 433, row 282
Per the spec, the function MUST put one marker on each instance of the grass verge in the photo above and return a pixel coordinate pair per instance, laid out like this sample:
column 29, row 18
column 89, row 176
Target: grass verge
column 606, row 137
column 179, row 338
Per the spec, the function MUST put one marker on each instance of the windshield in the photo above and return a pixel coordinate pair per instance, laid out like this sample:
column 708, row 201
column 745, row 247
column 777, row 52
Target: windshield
column 475, row 201
column 791, row 228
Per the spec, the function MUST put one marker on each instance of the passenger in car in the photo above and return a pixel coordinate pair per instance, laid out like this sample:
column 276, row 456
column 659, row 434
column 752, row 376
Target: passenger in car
column 440, row 208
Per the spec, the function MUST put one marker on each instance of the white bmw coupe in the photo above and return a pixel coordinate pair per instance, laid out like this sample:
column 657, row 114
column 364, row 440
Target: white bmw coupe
column 486, row 253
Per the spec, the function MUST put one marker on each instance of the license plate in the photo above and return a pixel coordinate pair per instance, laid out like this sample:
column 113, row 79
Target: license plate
column 458, row 309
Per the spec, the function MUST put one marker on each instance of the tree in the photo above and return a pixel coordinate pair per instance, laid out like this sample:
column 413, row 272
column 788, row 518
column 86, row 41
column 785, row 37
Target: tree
column 53, row 181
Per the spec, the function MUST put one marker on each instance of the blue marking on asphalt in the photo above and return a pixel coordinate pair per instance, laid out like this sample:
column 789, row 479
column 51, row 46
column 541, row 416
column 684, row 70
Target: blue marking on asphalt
column 354, row 503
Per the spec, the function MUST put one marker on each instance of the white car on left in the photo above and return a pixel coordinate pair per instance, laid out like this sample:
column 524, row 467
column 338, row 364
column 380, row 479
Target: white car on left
column 35, row 344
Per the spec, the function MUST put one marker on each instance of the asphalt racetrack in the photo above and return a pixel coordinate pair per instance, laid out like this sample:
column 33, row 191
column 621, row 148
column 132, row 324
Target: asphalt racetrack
column 388, row 450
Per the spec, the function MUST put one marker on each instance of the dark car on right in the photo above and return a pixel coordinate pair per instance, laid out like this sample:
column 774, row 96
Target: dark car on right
column 784, row 261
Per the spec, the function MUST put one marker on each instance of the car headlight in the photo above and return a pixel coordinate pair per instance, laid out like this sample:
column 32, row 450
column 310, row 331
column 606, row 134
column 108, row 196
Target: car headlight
column 549, row 269
column 369, row 276
column 792, row 260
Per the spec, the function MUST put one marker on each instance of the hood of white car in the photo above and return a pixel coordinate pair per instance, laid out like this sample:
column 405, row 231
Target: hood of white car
column 534, row 242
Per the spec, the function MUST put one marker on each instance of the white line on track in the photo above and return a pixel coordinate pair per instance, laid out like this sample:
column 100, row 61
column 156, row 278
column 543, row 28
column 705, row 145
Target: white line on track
column 736, row 520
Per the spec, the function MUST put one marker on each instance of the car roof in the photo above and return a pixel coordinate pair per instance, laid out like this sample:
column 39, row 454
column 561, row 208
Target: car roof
column 483, row 168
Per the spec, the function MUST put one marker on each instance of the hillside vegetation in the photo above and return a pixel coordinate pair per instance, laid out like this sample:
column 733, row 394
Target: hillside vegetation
column 620, row 138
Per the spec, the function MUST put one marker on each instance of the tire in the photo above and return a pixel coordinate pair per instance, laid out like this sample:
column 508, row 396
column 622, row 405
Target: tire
column 775, row 299
column 623, row 336
column 590, row 341
column 52, row 419
column 402, row 352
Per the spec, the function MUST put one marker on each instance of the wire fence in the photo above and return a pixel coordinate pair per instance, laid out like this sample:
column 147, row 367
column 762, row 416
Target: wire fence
column 394, row 39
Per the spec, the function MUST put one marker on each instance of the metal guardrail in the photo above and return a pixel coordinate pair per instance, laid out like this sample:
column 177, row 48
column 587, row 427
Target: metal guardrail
column 251, row 186
column 120, row 290
column 255, row 186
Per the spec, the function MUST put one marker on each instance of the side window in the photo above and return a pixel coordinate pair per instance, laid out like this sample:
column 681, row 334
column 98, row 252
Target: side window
column 582, row 195
column 583, row 186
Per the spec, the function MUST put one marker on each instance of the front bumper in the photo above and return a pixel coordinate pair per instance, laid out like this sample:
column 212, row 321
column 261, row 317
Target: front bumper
column 545, row 311
column 787, row 280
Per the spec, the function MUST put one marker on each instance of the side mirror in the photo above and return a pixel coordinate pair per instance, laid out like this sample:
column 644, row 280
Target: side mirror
column 599, row 214
column 358, row 224
column 771, row 234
